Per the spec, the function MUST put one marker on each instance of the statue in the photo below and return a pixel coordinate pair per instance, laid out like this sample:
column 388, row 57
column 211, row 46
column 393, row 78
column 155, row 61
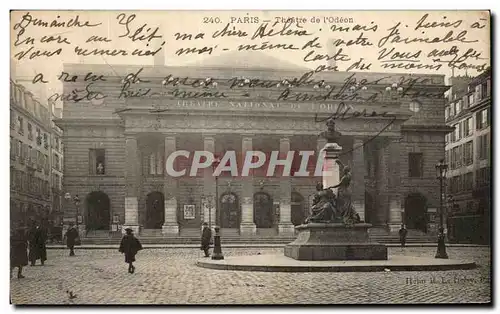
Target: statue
column 331, row 135
column 344, row 202
column 323, row 208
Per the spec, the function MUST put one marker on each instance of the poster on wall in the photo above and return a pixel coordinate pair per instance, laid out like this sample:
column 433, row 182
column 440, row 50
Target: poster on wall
column 189, row 212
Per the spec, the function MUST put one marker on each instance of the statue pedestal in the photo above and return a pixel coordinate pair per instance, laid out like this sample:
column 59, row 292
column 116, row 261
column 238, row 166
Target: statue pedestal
column 331, row 171
column 334, row 241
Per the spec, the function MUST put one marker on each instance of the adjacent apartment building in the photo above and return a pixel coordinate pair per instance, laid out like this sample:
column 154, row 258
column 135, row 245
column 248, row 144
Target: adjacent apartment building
column 36, row 159
column 468, row 154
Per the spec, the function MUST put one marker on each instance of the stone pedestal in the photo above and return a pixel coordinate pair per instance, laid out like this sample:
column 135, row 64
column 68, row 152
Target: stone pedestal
column 331, row 170
column 334, row 241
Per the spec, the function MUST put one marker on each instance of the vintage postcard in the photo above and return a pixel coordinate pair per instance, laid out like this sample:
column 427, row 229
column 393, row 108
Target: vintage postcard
column 250, row 157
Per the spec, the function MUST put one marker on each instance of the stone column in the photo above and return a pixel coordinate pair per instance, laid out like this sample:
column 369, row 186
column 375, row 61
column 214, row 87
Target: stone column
column 209, row 207
column 285, row 225
column 170, row 225
column 394, row 195
column 247, row 225
column 382, row 211
column 131, row 184
column 358, row 177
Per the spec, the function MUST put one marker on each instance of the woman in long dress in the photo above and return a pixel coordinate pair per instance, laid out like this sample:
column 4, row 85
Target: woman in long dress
column 344, row 196
column 18, row 251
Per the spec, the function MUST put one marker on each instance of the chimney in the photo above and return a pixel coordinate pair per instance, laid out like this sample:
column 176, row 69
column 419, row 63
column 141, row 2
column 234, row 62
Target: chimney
column 331, row 51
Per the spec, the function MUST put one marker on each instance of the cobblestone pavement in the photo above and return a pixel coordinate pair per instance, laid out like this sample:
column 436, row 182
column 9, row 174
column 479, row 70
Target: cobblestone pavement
column 170, row 276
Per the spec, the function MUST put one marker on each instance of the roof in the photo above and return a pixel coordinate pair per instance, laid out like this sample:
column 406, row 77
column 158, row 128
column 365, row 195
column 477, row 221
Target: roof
column 248, row 59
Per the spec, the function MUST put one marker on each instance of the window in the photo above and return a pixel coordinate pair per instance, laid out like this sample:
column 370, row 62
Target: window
column 12, row 119
column 57, row 165
column 484, row 90
column 19, row 148
column 23, row 156
column 468, row 181
column 416, row 163
column 467, row 127
column 482, row 146
column 97, row 161
column 155, row 164
column 483, row 177
column 447, row 157
column 482, row 119
column 57, row 143
column 457, row 108
column 46, row 141
column 468, row 153
column 46, row 163
column 30, row 155
column 452, row 110
column 455, row 157
column 39, row 161
column 471, row 99
column 12, row 148
column 30, row 131
column 447, row 112
column 38, row 136
column 457, row 132
column 21, row 125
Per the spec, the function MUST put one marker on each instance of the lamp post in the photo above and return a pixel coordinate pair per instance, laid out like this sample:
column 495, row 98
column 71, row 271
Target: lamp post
column 217, row 254
column 441, row 168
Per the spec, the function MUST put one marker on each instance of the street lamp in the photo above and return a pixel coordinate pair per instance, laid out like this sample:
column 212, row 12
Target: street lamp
column 441, row 168
column 217, row 254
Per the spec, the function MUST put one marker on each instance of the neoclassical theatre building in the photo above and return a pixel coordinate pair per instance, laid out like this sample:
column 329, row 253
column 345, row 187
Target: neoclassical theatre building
column 132, row 118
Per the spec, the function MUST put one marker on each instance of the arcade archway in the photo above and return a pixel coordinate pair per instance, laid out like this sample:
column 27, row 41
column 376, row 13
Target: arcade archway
column 263, row 210
column 155, row 210
column 229, row 211
column 415, row 212
column 297, row 209
column 98, row 211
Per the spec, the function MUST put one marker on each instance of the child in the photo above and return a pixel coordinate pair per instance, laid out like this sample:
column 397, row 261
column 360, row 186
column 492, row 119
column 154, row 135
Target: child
column 130, row 245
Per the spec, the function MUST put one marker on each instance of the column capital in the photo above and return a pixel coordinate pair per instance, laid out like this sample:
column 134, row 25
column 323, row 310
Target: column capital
column 169, row 134
column 129, row 135
column 208, row 135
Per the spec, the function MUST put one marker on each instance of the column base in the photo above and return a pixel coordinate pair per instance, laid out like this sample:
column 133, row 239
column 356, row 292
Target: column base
column 136, row 229
column 394, row 227
column 286, row 229
column 248, row 229
column 170, row 229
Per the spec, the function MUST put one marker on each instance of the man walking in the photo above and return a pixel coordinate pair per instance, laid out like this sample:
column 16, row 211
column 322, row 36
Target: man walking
column 206, row 236
column 37, row 244
column 402, row 235
column 129, row 246
column 71, row 236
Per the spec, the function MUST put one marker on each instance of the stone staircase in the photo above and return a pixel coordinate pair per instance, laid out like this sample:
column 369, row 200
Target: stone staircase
column 232, row 236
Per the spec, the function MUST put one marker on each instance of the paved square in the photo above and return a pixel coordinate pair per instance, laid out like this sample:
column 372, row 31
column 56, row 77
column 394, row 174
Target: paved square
column 170, row 276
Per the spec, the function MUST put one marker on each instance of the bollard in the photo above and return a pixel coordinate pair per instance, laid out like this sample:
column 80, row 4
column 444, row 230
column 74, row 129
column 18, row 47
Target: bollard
column 217, row 254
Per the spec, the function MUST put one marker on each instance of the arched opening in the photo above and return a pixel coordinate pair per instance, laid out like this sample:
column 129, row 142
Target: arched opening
column 369, row 208
column 415, row 212
column 263, row 214
column 155, row 210
column 98, row 211
column 229, row 211
column 297, row 209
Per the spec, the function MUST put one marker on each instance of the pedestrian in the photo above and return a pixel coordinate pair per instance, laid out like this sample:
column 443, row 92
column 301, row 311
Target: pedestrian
column 130, row 245
column 18, row 251
column 402, row 235
column 206, row 237
column 37, row 244
column 71, row 235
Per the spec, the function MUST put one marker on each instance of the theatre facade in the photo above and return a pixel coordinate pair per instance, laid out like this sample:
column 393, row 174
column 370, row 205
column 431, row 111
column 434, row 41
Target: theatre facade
column 120, row 135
